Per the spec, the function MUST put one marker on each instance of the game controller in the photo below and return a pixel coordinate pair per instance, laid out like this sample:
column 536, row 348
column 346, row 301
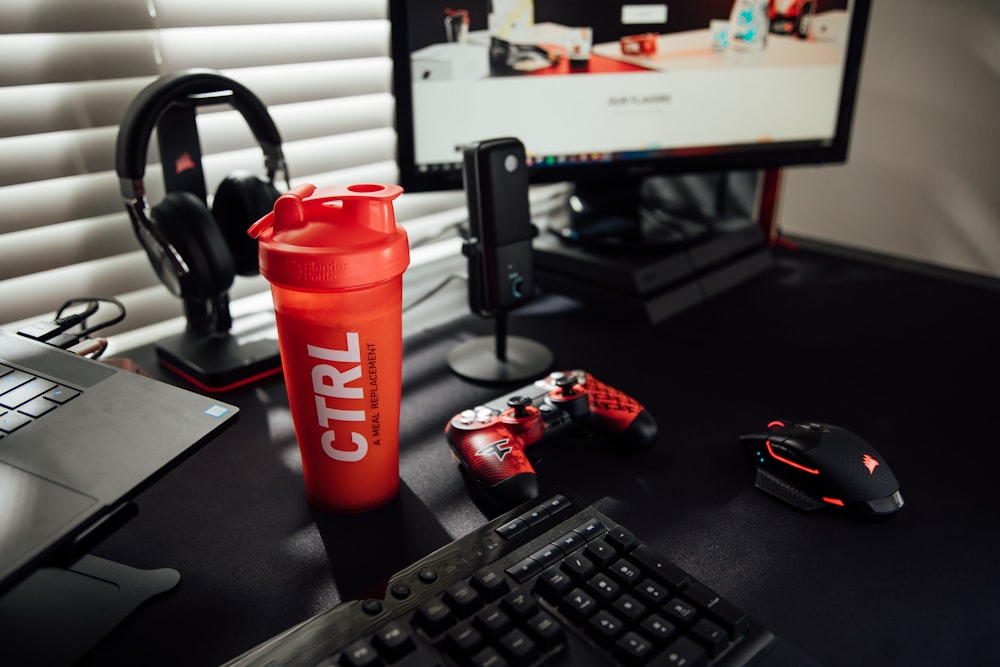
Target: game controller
column 489, row 441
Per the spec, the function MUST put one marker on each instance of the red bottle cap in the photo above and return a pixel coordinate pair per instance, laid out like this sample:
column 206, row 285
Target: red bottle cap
column 332, row 238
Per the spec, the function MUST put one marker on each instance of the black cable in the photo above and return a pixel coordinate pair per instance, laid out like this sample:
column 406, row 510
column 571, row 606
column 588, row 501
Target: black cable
column 57, row 332
column 93, row 304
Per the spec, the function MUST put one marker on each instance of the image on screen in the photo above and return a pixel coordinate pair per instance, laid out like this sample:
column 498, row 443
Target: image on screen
column 617, row 88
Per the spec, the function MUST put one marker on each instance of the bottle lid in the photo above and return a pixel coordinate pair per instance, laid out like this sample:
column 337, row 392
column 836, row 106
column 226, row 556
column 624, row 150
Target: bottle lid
column 332, row 238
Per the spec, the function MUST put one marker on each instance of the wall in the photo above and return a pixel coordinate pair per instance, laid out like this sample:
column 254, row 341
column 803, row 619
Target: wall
column 923, row 177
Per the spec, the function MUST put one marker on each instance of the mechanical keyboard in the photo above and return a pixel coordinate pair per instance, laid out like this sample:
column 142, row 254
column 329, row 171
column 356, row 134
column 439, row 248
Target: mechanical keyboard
column 554, row 582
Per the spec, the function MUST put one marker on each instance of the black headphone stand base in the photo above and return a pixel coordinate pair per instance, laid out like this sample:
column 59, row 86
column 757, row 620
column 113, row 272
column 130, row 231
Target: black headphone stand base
column 219, row 363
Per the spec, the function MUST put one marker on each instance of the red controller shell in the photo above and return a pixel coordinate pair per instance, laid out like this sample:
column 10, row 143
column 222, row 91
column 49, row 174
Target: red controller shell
column 491, row 440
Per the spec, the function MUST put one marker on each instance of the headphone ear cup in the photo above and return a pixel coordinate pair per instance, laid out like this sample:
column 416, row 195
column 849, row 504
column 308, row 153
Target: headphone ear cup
column 185, row 222
column 241, row 200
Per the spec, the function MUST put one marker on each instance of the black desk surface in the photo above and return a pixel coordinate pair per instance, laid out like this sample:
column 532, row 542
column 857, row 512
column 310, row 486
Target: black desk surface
column 908, row 361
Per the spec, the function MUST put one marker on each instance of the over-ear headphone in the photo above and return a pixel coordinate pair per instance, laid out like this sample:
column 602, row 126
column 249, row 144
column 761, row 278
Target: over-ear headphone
column 196, row 252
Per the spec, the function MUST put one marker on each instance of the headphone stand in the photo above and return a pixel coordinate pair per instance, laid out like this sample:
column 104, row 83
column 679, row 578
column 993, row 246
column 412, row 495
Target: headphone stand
column 221, row 361
column 500, row 358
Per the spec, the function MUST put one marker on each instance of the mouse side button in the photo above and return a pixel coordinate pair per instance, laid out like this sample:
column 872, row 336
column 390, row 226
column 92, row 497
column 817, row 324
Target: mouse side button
column 779, row 488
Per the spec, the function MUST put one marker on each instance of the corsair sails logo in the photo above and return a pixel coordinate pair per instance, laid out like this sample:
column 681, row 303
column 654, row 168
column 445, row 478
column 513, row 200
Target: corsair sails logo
column 183, row 163
column 499, row 449
column 870, row 463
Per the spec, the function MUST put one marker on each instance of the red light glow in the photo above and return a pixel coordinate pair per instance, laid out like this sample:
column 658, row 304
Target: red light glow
column 811, row 471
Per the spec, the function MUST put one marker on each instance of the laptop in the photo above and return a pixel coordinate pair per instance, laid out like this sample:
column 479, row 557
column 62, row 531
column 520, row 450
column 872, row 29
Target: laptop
column 79, row 439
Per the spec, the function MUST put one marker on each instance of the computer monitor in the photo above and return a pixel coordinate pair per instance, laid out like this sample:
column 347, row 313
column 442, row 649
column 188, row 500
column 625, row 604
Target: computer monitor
column 604, row 93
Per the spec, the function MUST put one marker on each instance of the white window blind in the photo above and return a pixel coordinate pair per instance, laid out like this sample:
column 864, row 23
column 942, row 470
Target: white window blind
column 70, row 68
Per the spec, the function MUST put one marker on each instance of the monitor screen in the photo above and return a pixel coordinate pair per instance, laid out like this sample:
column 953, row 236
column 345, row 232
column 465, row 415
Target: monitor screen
column 606, row 91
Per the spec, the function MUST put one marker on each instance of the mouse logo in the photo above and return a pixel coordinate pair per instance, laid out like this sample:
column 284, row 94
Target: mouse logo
column 870, row 463
column 499, row 449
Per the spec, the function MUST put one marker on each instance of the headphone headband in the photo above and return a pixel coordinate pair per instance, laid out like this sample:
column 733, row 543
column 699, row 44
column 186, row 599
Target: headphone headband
column 149, row 105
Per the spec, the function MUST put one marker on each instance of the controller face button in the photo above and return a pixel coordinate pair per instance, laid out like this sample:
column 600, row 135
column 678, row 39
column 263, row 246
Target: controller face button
column 484, row 415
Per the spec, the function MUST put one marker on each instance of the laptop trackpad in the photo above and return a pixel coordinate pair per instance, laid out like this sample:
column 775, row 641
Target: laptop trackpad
column 33, row 510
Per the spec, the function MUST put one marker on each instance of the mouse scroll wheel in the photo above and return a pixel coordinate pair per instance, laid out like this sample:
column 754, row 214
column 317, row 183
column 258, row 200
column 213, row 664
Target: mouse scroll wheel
column 812, row 426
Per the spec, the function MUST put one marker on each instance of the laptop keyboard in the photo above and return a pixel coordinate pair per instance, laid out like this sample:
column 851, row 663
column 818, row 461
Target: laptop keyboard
column 553, row 583
column 25, row 397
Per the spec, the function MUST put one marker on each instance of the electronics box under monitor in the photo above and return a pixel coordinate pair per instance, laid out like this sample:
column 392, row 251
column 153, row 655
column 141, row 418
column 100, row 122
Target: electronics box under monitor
column 606, row 94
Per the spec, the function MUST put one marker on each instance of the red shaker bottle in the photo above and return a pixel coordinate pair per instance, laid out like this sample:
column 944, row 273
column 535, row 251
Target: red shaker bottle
column 335, row 260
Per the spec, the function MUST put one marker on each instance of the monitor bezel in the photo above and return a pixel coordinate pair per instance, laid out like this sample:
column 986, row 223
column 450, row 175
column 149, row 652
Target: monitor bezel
column 682, row 161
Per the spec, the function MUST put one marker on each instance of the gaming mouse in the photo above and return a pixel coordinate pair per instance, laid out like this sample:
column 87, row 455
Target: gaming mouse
column 812, row 465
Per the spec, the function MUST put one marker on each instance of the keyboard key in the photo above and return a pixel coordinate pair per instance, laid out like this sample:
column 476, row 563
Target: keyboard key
column 553, row 584
column 524, row 569
column 556, row 504
column 434, row 617
column 493, row 621
column 491, row 584
column 579, row 567
column 393, row 641
column 570, row 542
column 605, row 627
column 630, row 608
column 622, row 539
column 726, row 614
column 512, row 528
column 545, row 630
column 11, row 421
column 535, row 515
column 626, row 572
column 652, row 592
column 61, row 394
column 360, row 654
column 463, row 641
column 519, row 648
column 590, row 530
column 658, row 628
column 660, row 568
column 601, row 552
column 679, row 611
column 710, row 635
column 547, row 555
column 37, row 407
column 578, row 606
column 682, row 653
column 604, row 587
column 633, row 648
column 488, row 657
column 13, row 379
column 519, row 603
column 463, row 600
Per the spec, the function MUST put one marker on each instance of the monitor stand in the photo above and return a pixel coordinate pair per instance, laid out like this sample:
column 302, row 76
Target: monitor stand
column 56, row 615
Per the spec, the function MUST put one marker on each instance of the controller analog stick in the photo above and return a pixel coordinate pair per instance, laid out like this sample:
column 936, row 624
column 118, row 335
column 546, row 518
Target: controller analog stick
column 566, row 385
column 519, row 404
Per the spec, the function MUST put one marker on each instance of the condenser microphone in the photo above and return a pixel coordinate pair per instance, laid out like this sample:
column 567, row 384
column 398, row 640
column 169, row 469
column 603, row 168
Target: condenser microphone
column 500, row 230
column 499, row 251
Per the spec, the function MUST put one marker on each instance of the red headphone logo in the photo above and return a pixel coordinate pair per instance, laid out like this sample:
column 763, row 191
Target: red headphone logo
column 183, row 163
